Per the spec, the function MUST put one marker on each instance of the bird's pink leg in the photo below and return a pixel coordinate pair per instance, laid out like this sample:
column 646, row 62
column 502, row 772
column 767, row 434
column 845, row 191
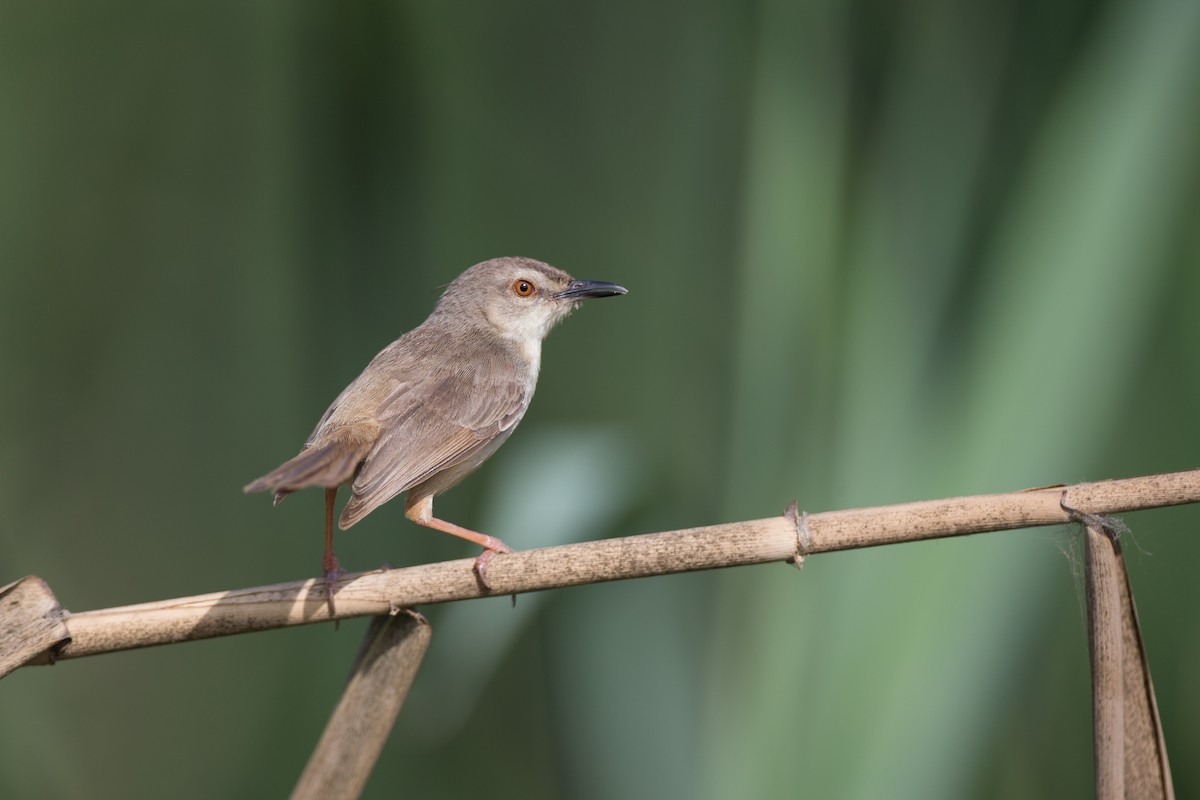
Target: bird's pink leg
column 330, row 566
column 420, row 511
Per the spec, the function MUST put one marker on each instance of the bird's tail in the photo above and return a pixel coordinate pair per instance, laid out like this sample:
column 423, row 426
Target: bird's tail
column 328, row 465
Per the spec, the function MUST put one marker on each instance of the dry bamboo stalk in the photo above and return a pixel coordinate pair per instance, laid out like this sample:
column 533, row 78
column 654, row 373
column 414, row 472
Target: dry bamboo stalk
column 783, row 538
column 1105, row 640
column 30, row 622
column 1130, row 749
column 384, row 670
column 1147, row 771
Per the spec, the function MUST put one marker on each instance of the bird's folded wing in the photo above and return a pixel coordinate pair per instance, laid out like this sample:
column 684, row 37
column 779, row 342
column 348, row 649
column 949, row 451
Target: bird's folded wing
column 427, row 429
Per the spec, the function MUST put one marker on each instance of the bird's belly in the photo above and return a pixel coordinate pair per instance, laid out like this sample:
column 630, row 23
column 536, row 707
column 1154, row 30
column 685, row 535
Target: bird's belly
column 451, row 476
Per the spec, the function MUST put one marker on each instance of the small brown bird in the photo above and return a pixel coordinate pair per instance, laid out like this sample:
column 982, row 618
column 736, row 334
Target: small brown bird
column 437, row 402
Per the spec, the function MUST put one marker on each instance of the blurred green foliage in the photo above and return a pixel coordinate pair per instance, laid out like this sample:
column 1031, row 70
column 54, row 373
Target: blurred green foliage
column 876, row 252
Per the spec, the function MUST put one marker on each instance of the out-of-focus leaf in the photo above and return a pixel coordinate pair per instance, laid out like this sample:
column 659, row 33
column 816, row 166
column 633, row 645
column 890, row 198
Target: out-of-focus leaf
column 558, row 485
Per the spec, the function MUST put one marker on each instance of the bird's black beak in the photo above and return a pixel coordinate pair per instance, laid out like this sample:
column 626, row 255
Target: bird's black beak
column 578, row 290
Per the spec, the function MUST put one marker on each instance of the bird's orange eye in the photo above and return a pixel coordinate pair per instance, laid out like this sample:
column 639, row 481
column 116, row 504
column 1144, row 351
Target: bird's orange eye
column 523, row 288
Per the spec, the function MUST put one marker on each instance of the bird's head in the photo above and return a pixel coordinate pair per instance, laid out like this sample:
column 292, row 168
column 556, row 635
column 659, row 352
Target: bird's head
column 519, row 298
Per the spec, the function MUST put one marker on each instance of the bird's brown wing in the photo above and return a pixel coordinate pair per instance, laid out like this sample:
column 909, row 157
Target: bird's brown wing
column 429, row 428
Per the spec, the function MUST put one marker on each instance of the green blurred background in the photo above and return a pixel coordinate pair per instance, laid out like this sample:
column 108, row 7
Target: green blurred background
column 876, row 252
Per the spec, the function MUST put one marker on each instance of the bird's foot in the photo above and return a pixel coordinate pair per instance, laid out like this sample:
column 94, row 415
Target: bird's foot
column 332, row 570
column 494, row 547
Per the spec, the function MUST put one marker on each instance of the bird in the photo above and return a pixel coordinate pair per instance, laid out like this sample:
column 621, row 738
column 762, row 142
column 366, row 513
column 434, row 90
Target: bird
column 436, row 403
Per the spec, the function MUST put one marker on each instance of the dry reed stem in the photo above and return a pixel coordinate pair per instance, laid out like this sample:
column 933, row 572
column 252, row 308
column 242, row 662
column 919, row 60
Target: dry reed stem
column 1105, row 640
column 30, row 622
column 386, row 665
column 782, row 538
column 1130, row 749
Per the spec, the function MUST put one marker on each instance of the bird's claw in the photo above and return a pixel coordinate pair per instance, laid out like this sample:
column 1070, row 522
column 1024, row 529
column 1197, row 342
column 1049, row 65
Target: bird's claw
column 332, row 572
column 482, row 561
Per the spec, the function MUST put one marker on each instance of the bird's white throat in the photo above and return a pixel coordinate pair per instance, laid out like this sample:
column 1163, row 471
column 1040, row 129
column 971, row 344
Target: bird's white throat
column 531, row 348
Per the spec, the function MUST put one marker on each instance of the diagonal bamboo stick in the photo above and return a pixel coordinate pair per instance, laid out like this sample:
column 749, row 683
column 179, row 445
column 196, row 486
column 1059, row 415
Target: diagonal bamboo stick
column 383, row 673
column 1105, row 642
column 1130, row 749
column 785, row 538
